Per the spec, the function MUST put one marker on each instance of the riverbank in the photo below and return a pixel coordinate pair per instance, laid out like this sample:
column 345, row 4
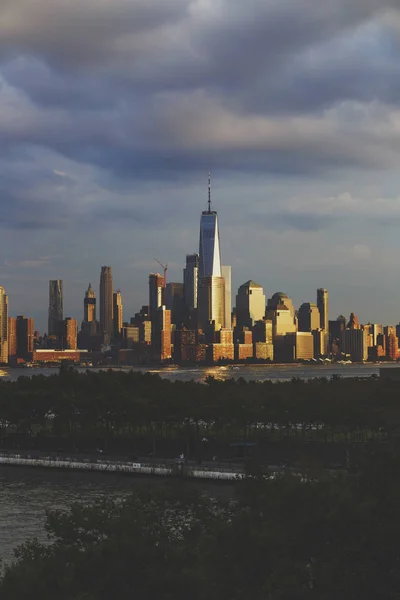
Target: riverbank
column 174, row 468
column 271, row 372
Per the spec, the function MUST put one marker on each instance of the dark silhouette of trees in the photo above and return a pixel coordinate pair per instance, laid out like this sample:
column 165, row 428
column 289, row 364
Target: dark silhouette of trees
column 284, row 538
column 126, row 413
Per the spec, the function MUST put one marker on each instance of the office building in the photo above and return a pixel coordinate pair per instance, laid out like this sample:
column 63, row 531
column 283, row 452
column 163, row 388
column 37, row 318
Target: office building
column 263, row 331
column 354, row 343
column 297, row 345
column 12, row 338
column 209, row 248
column 130, row 336
column 263, row 351
column 69, row 334
column 55, row 307
column 353, row 322
column 161, row 335
column 106, row 301
column 118, row 312
column 376, row 330
column 320, row 337
column 24, row 332
column 392, row 346
column 322, row 304
column 211, row 298
column 3, row 326
column 250, row 304
column 283, row 322
column 211, row 301
column 244, row 344
column 175, row 302
column 223, row 348
column 156, row 293
column 190, row 281
column 227, row 275
column 279, row 301
column 89, row 305
column 308, row 317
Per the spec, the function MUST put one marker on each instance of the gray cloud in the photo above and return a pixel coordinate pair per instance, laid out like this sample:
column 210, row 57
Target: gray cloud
column 112, row 113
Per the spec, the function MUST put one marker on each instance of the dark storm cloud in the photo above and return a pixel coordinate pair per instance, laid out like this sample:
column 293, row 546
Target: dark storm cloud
column 147, row 89
column 113, row 111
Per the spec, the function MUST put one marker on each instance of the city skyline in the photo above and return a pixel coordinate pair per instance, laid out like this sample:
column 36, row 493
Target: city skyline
column 294, row 109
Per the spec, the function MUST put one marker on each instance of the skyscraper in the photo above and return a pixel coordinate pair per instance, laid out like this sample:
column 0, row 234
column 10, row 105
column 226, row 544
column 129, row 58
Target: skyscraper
column 322, row 303
column 24, row 328
column 3, row 326
column 55, row 306
column 190, row 277
column 227, row 275
column 89, row 305
column 209, row 252
column 250, row 304
column 12, row 337
column 69, row 334
column 156, row 293
column 309, row 317
column 106, row 301
column 117, row 312
column 174, row 301
column 211, row 286
column 161, row 335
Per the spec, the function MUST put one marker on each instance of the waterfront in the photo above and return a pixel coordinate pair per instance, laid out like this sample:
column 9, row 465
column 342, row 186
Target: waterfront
column 249, row 372
column 27, row 493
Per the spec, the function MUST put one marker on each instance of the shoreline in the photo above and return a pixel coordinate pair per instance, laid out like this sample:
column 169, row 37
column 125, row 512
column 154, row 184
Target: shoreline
column 174, row 469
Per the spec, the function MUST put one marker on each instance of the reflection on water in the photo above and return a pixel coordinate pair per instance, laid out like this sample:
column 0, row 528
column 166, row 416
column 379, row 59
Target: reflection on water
column 253, row 372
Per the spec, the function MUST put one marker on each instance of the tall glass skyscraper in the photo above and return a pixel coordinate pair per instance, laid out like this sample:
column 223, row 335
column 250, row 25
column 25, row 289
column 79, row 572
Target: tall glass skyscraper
column 211, row 284
column 55, row 306
column 209, row 251
column 106, row 301
column 190, row 278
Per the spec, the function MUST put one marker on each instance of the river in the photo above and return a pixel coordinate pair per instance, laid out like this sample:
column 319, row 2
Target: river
column 248, row 372
column 25, row 494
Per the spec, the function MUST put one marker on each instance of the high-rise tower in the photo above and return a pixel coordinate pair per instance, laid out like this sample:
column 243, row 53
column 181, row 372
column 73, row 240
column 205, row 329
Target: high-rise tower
column 211, row 284
column 156, row 293
column 3, row 326
column 322, row 303
column 190, row 277
column 117, row 312
column 209, row 251
column 89, row 305
column 55, row 306
column 250, row 304
column 106, row 301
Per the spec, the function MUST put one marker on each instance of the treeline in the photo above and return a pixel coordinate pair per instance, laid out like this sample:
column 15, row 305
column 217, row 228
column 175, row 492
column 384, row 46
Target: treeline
column 135, row 413
column 286, row 538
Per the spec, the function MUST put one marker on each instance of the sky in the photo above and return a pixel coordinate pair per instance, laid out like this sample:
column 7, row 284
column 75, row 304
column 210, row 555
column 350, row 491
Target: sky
column 112, row 112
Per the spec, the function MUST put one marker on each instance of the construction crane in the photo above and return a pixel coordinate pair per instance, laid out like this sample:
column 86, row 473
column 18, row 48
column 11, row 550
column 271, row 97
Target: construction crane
column 165, row 267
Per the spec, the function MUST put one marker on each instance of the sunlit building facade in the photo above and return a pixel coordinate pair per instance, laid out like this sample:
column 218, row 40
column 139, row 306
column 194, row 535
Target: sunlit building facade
column 3, row 326
column 250, row 304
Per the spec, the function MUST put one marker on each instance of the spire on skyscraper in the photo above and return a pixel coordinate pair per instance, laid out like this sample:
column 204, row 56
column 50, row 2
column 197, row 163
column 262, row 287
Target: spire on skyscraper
column 209, row 192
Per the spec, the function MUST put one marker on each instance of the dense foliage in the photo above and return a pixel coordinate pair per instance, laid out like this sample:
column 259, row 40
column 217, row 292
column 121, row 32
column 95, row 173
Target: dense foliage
column 280, row 539
column 133, row 413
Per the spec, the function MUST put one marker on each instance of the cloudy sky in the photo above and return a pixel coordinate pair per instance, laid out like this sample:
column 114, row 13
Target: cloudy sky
column 113, row 111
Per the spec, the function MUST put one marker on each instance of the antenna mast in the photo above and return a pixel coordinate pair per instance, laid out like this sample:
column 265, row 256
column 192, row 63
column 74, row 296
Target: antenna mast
column 209, row 192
